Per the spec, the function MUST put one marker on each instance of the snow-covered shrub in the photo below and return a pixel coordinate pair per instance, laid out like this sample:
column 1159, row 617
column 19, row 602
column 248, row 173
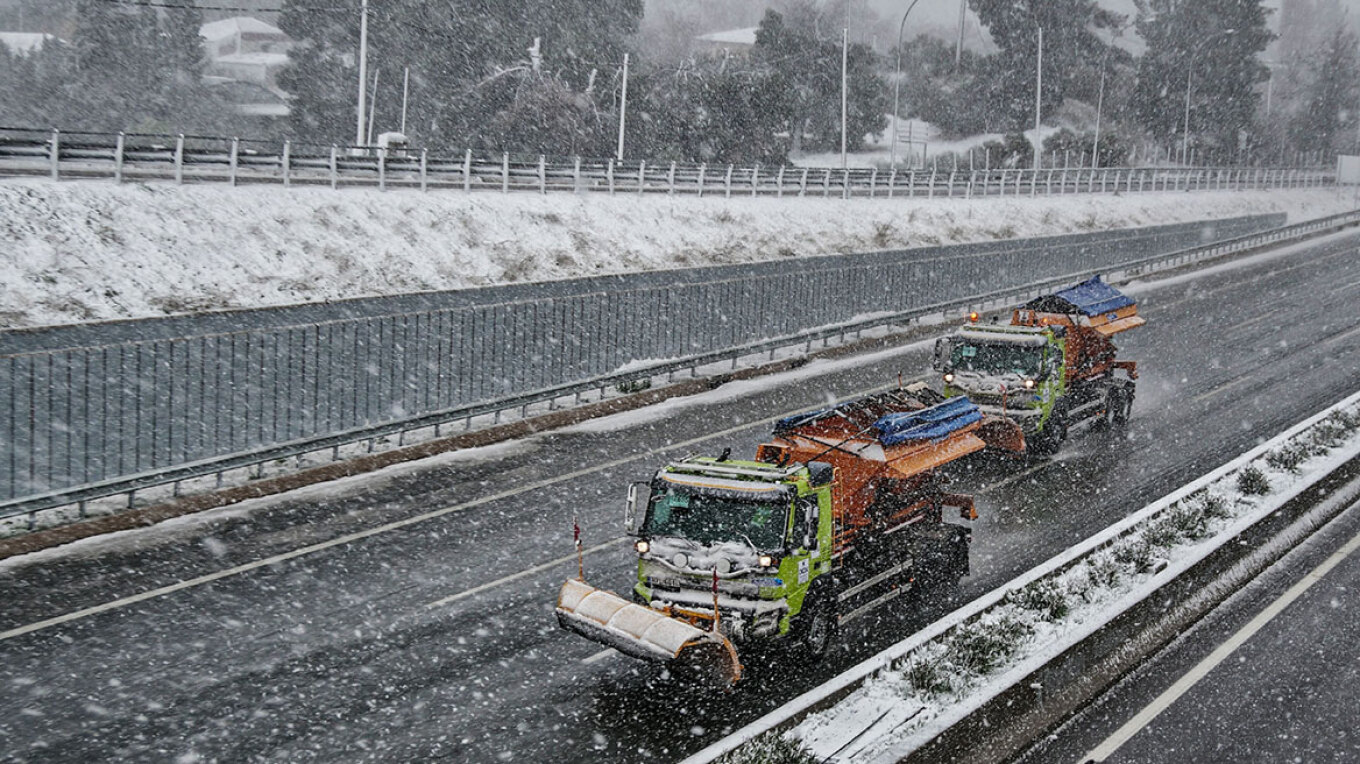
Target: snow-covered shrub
column 1290, row 456
column 982, row 646
column 929, row 678
column 1135, row 554
column 1334, row 429
column 770, row 748
column 1102, row 571
column 1045, row 597
column 1251, row 481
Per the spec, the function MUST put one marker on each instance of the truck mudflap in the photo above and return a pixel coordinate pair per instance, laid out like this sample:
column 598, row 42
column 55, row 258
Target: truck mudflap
column 1002, row 433
column 643, row 632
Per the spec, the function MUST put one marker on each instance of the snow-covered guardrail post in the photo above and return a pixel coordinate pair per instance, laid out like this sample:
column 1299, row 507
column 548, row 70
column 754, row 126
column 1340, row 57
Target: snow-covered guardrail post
column 424, row 169
column 54, row 148
column 727, row 182
column 233, row 157
column 642, row 176
column 335, row 166
column 179, row 159
column 287, row 164
column 505, row 172
column 779, row 183
column 118, row 157
column 670, row 180
column 467, row 170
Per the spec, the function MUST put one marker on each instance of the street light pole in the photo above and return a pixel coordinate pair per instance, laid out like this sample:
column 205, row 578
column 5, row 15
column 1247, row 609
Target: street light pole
column 1038, row 96
column 1189, row 72
column 363, row 72
column 897, row 82
column 845, row 95
column 623, row 106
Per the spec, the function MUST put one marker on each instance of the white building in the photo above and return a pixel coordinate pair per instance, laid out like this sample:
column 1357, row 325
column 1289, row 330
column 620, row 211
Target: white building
column 245, row 49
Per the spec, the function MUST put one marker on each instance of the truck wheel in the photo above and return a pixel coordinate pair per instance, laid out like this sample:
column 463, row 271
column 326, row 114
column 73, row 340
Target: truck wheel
column 1050, row 439
column 816, row 629
column 1120, row 406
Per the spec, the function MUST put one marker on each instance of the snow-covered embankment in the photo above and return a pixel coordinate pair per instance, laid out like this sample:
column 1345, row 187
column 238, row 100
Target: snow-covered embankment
column 93, row 250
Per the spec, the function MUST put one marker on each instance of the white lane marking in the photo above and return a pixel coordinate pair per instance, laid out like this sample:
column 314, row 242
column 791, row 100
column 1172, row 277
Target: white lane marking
column 1145, row 717
column 1014, row 478
column 360, row 535
column 601, row 655
column 1221, row 388
column 527, row 572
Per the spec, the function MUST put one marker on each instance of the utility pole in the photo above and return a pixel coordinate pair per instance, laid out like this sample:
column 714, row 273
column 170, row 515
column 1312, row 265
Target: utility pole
column 845, row 96
column 623, row 106
column 405, row 95
column 897, row 84
column 372, row 107
column 363, row 73
column 1038, row 96
column 958, row 43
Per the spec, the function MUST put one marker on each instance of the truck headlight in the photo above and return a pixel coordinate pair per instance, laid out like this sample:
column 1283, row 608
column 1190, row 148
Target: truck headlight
column 1029, row 384
column 642, row 546
column 949, row 378
column 766, row 561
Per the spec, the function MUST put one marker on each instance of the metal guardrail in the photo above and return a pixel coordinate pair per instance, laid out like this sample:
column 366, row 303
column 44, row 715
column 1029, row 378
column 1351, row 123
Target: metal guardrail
column 199, row 414
column 197, row 159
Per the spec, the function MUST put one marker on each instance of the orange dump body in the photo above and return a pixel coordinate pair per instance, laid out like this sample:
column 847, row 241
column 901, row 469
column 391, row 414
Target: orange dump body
column 1091, row 312
column 882, row 478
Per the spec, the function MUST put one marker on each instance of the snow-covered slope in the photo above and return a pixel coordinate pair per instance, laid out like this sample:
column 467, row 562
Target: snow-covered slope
column 82, row 251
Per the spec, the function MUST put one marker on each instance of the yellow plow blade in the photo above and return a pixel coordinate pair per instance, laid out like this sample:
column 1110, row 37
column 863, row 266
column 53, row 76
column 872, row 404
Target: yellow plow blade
column 643, row 632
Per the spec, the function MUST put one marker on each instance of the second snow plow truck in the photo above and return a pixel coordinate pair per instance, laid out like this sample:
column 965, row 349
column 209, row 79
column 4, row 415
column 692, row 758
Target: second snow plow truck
column 1053, row 366
column 842, row 511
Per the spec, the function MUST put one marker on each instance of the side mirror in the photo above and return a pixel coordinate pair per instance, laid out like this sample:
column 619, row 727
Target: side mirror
column 810, row 537
column 630, row 513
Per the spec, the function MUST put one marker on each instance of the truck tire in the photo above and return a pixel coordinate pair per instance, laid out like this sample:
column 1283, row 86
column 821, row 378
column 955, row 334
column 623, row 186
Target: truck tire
column 1120, row 406
column 1047, row 441
column 815, row 628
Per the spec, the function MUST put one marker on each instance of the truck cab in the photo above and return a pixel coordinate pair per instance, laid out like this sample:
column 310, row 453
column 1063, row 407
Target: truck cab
column 1052, row 366
column 757, row 532
column 1015, row 372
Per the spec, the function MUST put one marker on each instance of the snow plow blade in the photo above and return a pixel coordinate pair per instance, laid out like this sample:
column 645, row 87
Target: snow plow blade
column 643, row 632
column 1002, row 433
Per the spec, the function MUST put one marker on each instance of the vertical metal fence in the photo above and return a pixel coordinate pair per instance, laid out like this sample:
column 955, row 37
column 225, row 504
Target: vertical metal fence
column 90, row 403
column 208, row 159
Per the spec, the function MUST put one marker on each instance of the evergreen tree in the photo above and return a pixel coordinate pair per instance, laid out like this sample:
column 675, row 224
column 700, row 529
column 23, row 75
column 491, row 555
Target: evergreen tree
column 468, row 61
column 711, row 110
column 1069, row 47
column 811, row 68
column 1327, row 119
column 1212, row 45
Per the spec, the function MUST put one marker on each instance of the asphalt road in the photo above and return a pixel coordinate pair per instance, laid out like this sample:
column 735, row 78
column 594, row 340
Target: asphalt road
column 409, row 616
column 1268, row 676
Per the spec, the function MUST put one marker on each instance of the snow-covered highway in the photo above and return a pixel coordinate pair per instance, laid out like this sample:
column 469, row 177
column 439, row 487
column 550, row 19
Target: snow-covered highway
column 337, row 655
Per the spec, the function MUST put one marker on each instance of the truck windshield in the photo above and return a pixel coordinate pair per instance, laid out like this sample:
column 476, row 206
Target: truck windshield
column 693, row 515
column 1001, row 358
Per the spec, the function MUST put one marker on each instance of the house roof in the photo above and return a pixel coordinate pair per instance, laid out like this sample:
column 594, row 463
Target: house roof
column 229, row 28
column 253, row 59
column 746, row 36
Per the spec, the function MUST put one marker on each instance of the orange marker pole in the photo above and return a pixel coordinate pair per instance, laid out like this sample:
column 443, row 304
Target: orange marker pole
column 580, row 558
column 715, row 599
